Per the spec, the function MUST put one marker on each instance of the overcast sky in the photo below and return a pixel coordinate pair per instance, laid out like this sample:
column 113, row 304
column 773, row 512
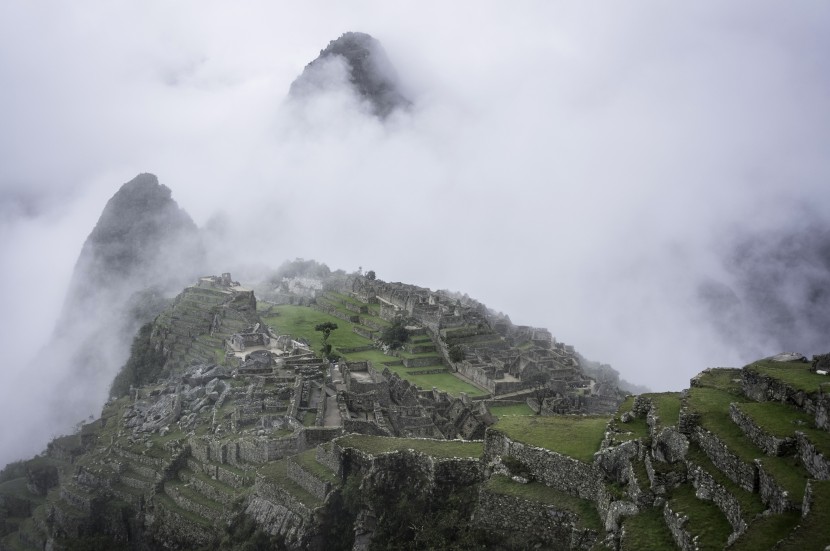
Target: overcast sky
column 574, row 165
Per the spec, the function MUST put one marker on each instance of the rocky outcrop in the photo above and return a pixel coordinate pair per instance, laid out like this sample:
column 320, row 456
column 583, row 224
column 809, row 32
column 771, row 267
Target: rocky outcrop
column 367, row 71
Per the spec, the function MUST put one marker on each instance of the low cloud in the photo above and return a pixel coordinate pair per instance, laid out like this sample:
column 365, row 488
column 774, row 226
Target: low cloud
column 579, row 170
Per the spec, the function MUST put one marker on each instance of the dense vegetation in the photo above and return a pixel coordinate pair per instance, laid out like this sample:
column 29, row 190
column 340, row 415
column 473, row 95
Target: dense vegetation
column 145, row 364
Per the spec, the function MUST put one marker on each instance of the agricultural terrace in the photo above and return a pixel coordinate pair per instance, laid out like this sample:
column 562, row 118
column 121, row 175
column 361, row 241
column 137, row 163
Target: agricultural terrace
column 577, row 436
column 299, row 322
column 435, row 448
column 795, row 374
column 585, row 509
column 515, row 409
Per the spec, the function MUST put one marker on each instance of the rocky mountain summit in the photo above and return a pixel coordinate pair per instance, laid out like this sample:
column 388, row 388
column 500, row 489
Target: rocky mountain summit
column 142, row 238
column 142, row 250
column 368, row 72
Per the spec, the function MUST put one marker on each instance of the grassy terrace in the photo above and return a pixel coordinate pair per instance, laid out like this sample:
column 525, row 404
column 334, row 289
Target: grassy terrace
column 636, row 428
column 751, row 504
column 308, row 462
column 705, row 519
column 722, row 378
column 168, row 503
column 713, row 406
column 435, row 448
column 783, row 420
column 583, row 508
column 795, row 374
column 647, row 530
column 812, row 532
column 299, row 321
column 765, row 532
column 667, row 405
column 518, row 409
column 277, row 472
column 577, row 436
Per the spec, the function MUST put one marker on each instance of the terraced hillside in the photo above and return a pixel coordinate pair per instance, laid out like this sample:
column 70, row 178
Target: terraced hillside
column 249, row 440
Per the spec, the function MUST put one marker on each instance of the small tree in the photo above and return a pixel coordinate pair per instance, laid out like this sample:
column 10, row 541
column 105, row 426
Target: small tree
column 370, row 275
column 395, row 335
column 326, row 328
column 539, row 383
column 456, row 353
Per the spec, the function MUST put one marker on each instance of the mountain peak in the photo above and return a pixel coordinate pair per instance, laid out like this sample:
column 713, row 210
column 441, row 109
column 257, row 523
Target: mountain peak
column 370, row 73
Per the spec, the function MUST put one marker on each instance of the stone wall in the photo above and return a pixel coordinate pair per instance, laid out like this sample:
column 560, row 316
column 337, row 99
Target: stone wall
column 316, row 487
column 771, row 445
column 176, row 530
column 762, row 388
column 814, row 461
column 676, row 523
column 709, row 489
column 421, row 362
column 772, row 494
column 743, row 474
column 327, row 456
column 540, row 525
column 823, row 411
column 552, row 469
column 264, row 449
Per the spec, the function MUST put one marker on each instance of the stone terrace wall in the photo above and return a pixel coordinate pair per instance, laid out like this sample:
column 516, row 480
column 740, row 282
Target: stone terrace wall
column 762, row 388
column 739, row 472
column 814, row 461
column 676, row 523
column 554, row 527
column 772, row 495
column 708, row 488
column 316, row 487
column 558, row 471
column 770, row 444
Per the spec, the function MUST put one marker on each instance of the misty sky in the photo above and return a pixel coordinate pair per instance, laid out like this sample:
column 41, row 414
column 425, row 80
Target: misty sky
column 577, row 166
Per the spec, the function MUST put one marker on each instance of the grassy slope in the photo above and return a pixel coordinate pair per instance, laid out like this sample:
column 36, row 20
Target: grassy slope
column 576, row 436
column 299, row 321
column 435, row 448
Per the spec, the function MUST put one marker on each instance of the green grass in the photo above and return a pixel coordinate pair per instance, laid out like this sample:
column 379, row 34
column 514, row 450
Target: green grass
column 277, row 472
column 783, row 420
column 750, row 503
column 539, row 493
column 308, row 461
column 705, row 519
column 722, row 378
column 813, row 533
column 576, row 436
column 167, row 502
column 789, row 473
column 518, row 409
column 795, row 374
column 299, row 321
column 713, row 406
column 646, row 530
column 446, row 382
column 765, row 532
column 667, row 405
column 435, row 448
column 309, row 417
column 635, row 428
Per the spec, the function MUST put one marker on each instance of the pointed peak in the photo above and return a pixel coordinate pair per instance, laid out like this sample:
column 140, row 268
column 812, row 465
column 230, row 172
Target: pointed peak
column 369, row 73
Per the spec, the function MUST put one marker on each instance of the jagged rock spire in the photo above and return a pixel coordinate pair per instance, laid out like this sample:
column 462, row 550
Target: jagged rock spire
column 370, row 73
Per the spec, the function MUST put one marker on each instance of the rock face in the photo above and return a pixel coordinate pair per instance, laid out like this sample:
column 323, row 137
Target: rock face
column 142, row 249
column 142, row 237
column 367, row 69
